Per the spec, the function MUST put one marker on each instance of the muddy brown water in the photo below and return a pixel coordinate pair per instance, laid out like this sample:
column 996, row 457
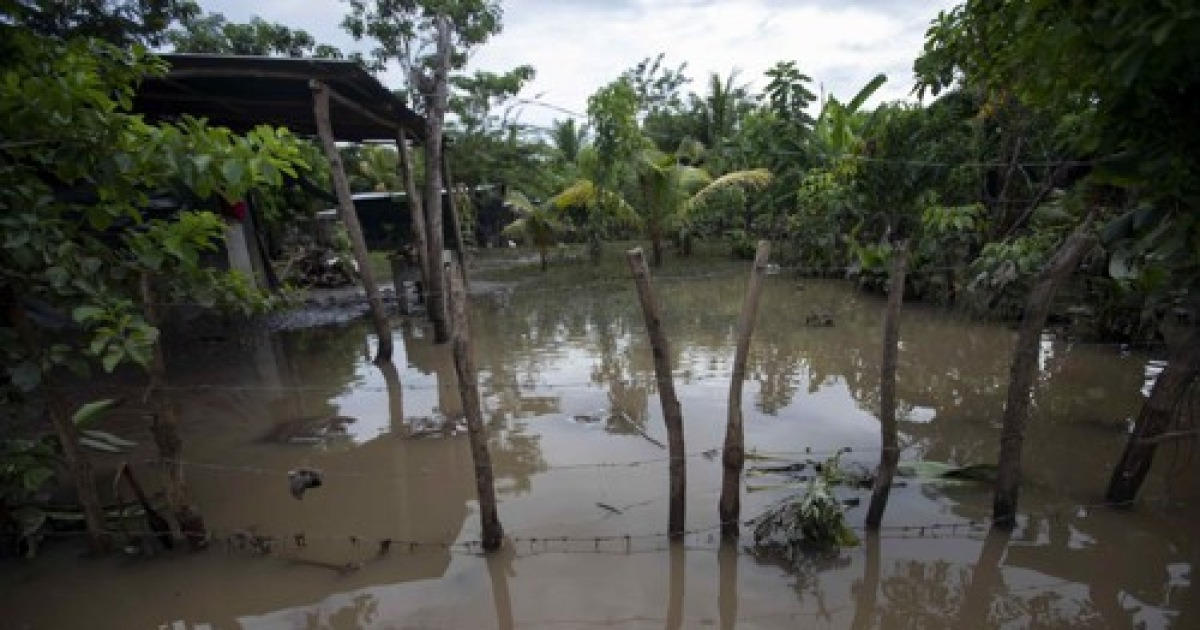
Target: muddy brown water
column 567, row 384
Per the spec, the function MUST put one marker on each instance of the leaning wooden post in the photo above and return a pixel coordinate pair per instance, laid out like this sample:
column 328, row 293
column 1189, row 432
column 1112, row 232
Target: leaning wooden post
column 734, row 455
column 889, row 454
column 1024, row 370
column 350, row 219
column 672, row 414
column 460, row 245
column 183, row 519
column 1170, row 388
column 416, row 210
column 468, row 386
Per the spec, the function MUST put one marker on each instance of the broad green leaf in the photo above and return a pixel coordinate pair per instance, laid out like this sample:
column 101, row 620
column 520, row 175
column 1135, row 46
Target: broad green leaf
column 84, row 314
column 92, row 411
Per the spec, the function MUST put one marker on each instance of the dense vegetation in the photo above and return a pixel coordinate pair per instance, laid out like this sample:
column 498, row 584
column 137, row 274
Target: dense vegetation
column 1036, row 118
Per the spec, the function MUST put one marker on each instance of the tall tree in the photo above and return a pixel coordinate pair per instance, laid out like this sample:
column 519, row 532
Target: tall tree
column 568, row 138
column 116, row 21
column 1122, row 80
column 214, row 34
column 427, row 38
column 612, row 112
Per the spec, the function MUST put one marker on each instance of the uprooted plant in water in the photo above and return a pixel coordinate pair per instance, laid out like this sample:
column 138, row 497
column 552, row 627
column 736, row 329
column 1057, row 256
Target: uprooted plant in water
column 810, row 524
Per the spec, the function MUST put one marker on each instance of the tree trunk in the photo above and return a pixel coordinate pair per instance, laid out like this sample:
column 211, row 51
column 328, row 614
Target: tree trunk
column 395, row 394
column 1024, row 370
column 656, row 247
column 468, row 383
column 890, row 453
column 676, row 586
column 1155, row 418
column 867, row 595
column 499, row 566
column 82, row 474
column 78, row 465
column 184, row 520
column 727, row 592
column 460, row 246
column 436, row 103
column 595, row 247
column 672, row 413
column 350, row 219
column 986, row 579
column 416, row 211
column 734, row 455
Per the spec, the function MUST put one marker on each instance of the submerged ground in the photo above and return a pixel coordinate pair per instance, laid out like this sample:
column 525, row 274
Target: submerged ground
column 388, row 540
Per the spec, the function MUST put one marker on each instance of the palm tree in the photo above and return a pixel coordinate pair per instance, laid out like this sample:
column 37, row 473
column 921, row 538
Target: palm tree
column 602, row 205
column 568, row 137
column 537, row 224
column 671, row 190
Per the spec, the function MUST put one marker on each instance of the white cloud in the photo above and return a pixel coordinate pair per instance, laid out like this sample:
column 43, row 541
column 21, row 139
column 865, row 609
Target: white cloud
column 578, row 45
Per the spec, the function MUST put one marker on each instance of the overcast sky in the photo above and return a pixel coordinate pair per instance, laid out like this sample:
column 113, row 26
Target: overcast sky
column 579, row 45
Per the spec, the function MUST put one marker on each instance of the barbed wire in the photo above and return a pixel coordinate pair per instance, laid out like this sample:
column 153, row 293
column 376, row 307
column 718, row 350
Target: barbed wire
column 250, row 539
column 710, row 454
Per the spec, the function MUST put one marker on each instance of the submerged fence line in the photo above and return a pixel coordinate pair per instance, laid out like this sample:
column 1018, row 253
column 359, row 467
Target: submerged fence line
column 250, row 539
column 710, row 454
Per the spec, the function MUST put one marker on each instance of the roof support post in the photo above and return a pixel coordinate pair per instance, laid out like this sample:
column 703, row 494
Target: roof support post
column 416, row 210
column 350, row 219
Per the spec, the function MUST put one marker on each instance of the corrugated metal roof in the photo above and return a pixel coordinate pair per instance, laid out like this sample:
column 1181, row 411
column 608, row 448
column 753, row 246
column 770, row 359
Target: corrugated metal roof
column 242, row 92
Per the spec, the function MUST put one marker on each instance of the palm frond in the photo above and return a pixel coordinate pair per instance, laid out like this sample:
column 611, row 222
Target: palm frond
column 581, row 193
column 520, row 202
column 752, row 179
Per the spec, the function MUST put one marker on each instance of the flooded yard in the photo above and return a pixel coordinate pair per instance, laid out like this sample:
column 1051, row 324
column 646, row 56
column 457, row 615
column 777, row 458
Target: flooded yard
column 390, row 538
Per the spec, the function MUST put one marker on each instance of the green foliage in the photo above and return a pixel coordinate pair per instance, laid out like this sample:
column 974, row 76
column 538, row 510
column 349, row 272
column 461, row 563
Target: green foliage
column 788, row 95
column 539, row 225
column 214, row 34
column 489, row 145
column 812, row 523
column 115, row 21
column 1119, row 82
column 77, row 177
column 402, row 29
column 656, row 86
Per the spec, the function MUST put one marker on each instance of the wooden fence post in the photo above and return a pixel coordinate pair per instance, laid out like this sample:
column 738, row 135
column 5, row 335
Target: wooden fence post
column 468, row 383
column 1024, row 370
column 889, row 454
column 672, row 413
column 734, row 454
column 349, row 215
column 727, row 591
column 1153, row 420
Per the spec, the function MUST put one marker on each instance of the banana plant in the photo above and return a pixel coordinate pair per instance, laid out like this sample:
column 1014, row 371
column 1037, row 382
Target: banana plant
column 539, row 225
column 835, row 130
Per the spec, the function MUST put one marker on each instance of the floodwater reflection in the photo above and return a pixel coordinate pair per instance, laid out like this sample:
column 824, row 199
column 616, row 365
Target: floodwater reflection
column 567, row 386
